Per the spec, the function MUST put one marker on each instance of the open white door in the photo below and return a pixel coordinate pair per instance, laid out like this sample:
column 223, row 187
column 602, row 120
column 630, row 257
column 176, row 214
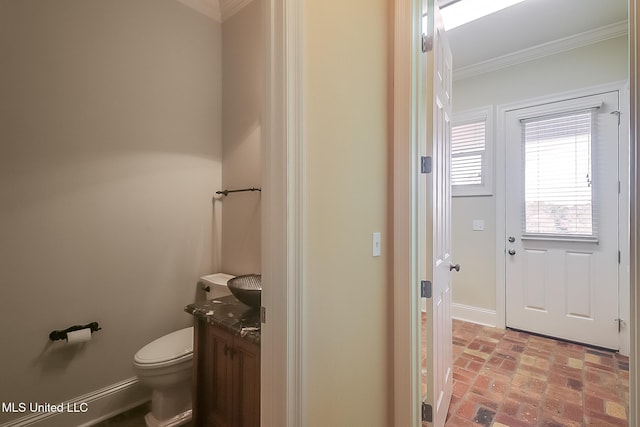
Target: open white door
column 435, row 219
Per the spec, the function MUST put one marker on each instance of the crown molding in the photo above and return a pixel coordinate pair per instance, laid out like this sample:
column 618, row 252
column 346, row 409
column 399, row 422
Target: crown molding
column 228, row 8
column 607, row 32
column 210, row 8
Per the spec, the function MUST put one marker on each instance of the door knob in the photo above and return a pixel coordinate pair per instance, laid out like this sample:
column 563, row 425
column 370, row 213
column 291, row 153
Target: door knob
column 512, row 252
column 512, row 239
column 455, row 267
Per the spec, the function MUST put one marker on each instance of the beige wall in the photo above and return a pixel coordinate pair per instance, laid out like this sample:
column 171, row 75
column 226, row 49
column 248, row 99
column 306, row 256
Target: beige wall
column 242, row 101
column 109, row 156
column 600, row 63
column 346, row 311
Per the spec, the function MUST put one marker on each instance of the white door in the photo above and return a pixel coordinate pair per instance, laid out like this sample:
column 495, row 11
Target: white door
column 437, row 374
column 562, row 195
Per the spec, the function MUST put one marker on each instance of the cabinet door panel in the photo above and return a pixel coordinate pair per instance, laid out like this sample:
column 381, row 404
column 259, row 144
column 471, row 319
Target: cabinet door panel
column 219, row 378
column 246, row 377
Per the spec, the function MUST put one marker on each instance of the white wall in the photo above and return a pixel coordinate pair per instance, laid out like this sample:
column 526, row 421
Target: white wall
column 242, row 101
column 110, row 153
column 347, row 314
column 600, row 63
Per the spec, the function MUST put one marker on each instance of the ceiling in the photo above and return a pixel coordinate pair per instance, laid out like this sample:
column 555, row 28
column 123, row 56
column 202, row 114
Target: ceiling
column 488, row 43
column 529, row 24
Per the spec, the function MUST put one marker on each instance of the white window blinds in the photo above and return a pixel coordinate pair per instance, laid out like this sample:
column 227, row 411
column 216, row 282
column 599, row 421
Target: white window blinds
column 558, row 175
column 467, row 154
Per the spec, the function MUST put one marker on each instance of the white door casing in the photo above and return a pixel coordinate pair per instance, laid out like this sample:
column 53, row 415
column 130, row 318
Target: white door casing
column 409, row 259
column 435, row 218
column 565, row 287
column 283, row 244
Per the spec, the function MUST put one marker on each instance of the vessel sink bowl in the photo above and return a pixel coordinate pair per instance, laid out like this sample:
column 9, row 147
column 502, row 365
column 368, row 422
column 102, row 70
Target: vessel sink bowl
column 247, row 289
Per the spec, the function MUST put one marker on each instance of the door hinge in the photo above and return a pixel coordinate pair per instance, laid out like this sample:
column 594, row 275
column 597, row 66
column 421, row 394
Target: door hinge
column 617, row 113
column 425, row 289
column 619, row 257
column 427, row 413
column 263, row 315
column 619, row 322
column 619, row 187
column 425, row 164
column 427, row 43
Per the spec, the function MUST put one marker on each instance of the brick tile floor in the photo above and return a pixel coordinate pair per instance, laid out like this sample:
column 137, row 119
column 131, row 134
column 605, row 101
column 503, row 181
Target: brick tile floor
column 514, row 379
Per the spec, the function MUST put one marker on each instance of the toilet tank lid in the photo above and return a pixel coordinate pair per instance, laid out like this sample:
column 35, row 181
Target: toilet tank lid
column 171, row 346
column 216, row 279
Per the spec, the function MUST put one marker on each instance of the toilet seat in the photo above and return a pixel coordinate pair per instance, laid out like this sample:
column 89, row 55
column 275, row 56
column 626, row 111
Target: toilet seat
column 171, row 349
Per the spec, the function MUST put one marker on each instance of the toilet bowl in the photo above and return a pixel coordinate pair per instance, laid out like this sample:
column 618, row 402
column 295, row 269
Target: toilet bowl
column 165, row 365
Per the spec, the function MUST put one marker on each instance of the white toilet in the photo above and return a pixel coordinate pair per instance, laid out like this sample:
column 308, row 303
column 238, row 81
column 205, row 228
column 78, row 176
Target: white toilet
column 165, row 366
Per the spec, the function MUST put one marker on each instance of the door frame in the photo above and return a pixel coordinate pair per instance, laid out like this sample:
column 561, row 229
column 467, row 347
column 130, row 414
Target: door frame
column 634, row 173
column 283, row 241
column 501, row 199
column 406, row 301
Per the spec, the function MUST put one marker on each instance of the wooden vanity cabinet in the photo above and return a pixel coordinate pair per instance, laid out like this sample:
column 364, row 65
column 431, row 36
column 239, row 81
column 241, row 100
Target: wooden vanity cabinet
column 227, row 379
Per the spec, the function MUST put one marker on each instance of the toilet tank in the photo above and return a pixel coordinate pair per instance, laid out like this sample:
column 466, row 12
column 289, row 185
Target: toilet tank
column 215, row 285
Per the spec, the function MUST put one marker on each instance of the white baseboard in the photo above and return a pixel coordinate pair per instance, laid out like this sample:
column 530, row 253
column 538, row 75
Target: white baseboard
column 88, row 409
column 481, row 316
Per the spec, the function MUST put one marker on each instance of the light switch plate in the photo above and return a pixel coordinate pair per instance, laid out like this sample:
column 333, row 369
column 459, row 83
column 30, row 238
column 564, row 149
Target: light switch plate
column 376, row 244
column 478, row 225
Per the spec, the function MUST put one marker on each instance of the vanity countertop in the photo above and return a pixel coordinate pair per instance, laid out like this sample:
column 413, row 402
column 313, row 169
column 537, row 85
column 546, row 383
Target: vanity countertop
column 230, row 314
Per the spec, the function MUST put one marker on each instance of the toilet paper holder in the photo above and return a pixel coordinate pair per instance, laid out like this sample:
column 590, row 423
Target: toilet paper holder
column 62, row 335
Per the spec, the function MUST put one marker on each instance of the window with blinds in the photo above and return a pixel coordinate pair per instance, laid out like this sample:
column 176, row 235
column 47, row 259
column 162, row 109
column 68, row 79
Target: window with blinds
column 470, row 160
column 558, row 196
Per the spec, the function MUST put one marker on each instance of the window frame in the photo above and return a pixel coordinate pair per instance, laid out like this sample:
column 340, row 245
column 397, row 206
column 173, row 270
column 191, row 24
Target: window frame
column 475, row 115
